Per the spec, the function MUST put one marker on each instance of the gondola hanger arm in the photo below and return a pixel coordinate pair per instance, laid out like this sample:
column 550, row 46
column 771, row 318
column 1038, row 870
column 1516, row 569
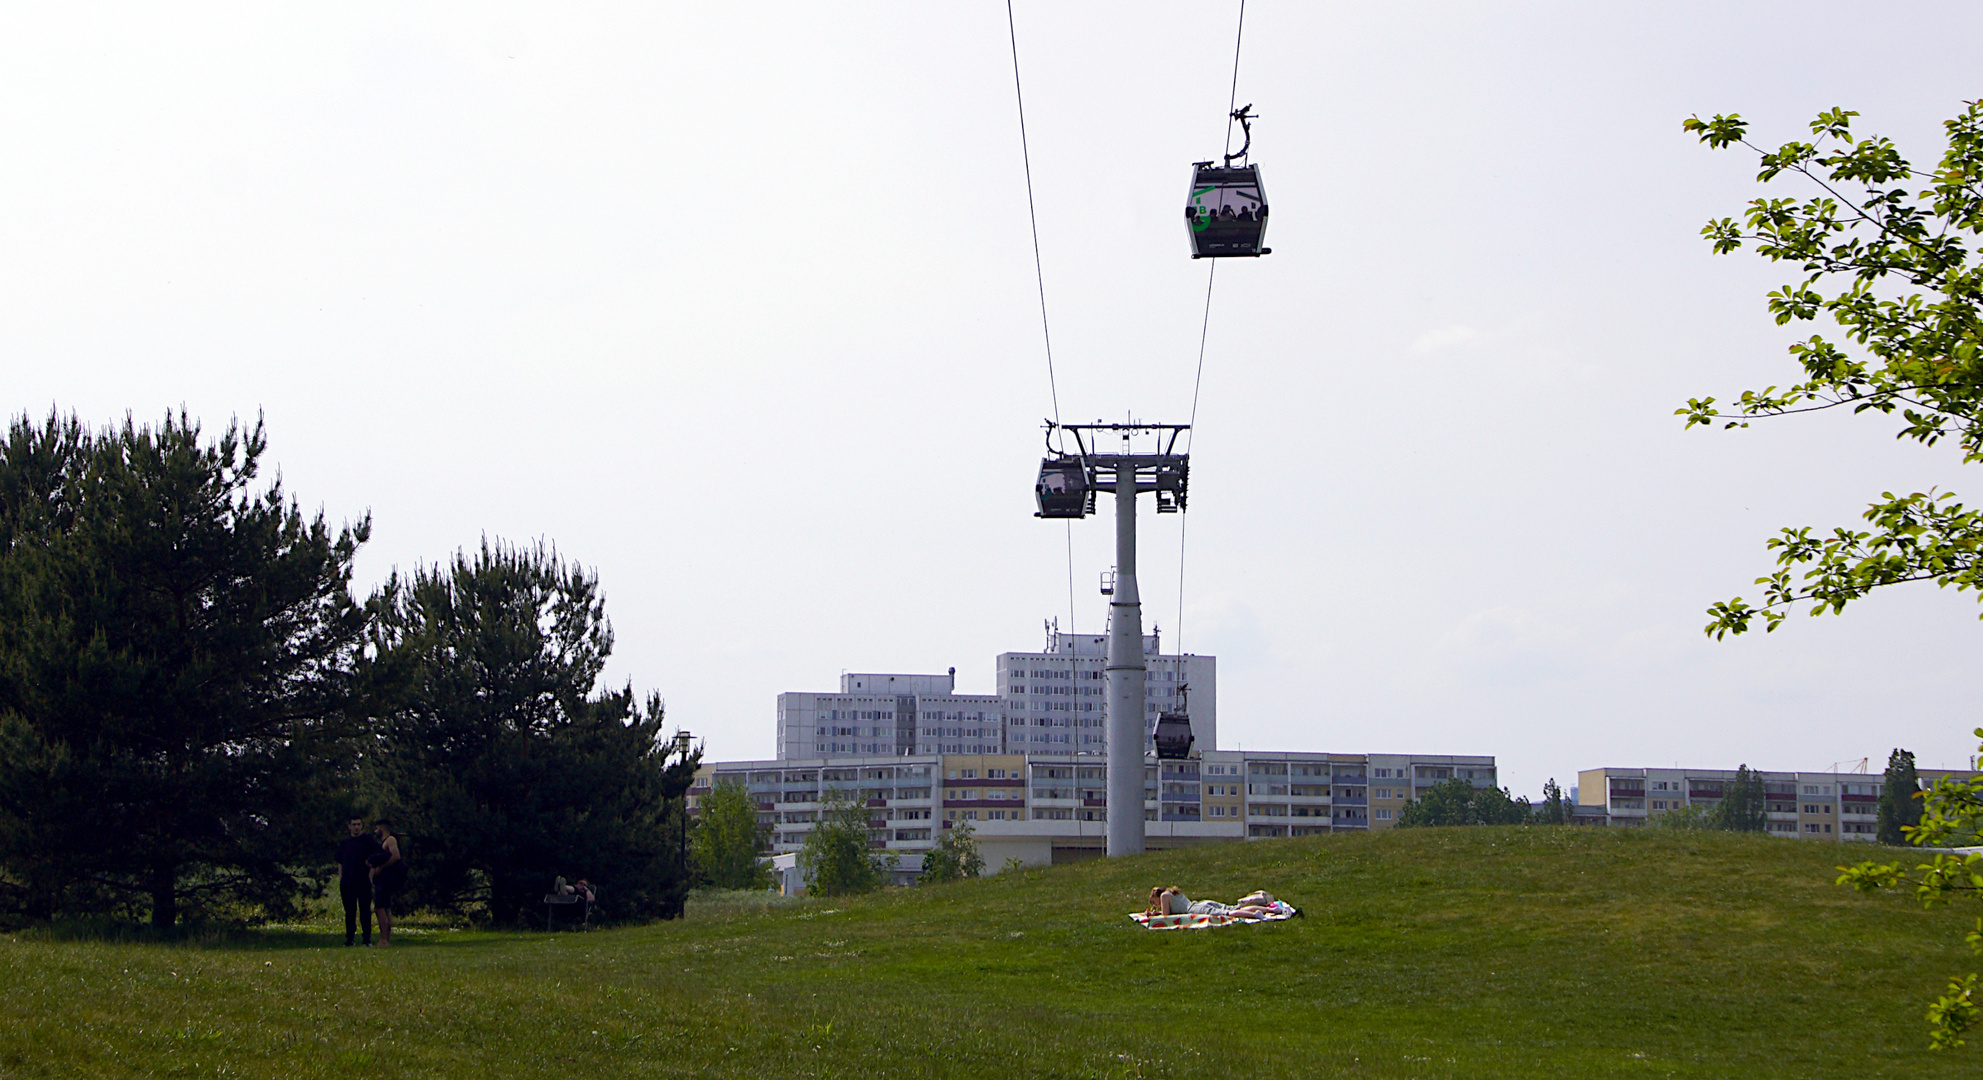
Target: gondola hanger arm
column 1243, row 114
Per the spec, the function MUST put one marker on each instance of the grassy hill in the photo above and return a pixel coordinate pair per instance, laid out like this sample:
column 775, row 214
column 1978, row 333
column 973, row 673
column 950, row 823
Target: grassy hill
column 1433, row 953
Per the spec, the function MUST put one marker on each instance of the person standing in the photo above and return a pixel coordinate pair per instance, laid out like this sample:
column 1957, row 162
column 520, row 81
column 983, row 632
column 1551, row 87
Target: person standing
column 354, row 885
column 388, row 877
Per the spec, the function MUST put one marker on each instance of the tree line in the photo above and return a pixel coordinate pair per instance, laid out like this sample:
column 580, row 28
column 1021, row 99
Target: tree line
column 193, row 698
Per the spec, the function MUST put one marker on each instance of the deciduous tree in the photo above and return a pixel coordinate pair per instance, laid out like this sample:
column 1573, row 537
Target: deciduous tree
column 1882, row 247
column 1555, row 809
column 1742, row 807
column 1458, row 802
column 838, row 857
column 953, row 857
column 727, row 842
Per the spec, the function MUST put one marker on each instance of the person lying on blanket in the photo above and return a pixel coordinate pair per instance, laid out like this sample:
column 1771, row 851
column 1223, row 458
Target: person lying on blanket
column 1172, row 901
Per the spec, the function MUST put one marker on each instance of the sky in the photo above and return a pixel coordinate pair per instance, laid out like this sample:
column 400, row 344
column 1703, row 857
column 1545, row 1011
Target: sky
column 736, row 304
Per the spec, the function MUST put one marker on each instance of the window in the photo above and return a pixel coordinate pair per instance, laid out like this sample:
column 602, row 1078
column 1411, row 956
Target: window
column 1383, row 815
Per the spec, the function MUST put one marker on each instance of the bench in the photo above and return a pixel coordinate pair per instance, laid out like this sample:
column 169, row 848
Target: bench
column 554, row 901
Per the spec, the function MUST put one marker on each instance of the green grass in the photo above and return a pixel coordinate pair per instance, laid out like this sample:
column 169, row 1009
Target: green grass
column 1431, row 953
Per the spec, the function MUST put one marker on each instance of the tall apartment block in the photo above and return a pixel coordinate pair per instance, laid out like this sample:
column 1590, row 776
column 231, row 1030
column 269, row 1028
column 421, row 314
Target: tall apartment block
column 1047, row 702
column 1809, row 805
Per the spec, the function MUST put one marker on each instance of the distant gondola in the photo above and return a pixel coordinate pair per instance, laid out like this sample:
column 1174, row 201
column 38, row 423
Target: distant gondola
column 1172, row 732
column 1173, row 736
column 1226, row 211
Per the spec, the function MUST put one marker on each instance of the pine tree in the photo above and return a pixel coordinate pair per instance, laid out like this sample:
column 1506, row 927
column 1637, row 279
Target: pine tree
column 1900, row 805
column 179, row 655
column 503, row 764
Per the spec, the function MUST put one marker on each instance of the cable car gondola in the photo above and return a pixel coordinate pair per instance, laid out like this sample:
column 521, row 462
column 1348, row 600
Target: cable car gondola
column 1226, row 211
column 1172, row 733
column 1063, row 490
column 1173, row 736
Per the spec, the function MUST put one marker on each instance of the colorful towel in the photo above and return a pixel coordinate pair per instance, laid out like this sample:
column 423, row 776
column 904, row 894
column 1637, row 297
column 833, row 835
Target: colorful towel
column 1282, row 911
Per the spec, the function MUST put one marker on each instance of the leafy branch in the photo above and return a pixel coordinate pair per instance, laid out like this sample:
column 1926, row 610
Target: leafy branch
column 1913, row 353
column 1918, row 537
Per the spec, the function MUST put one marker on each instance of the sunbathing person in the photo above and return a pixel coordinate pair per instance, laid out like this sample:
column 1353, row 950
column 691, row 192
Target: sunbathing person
column 1172, row 901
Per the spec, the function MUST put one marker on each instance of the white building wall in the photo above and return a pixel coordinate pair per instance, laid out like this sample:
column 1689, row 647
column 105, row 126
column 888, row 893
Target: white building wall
column 1049, row 702
column 1056, row 700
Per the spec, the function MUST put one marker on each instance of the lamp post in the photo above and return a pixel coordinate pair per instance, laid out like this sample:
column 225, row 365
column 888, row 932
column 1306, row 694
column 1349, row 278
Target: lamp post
column 682, row 741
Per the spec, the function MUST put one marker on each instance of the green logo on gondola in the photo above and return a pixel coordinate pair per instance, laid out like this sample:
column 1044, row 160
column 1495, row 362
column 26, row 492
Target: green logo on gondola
column 1201, row 219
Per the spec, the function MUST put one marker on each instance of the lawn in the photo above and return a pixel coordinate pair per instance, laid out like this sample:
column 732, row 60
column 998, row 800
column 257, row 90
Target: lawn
column 1516, row 952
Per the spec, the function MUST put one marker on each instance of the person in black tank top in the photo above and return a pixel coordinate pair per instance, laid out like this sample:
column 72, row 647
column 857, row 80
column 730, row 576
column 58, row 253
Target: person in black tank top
column 388, row 877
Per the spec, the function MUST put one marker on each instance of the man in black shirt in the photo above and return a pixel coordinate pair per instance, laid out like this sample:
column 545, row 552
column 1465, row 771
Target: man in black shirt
column 354, row 882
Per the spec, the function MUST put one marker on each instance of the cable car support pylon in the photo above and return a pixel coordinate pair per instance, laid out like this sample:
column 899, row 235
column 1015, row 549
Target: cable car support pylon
column 1066, row 488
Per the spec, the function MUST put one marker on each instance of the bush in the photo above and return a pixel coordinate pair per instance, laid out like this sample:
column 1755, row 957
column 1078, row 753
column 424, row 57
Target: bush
column 954, row 857
column 838, row 857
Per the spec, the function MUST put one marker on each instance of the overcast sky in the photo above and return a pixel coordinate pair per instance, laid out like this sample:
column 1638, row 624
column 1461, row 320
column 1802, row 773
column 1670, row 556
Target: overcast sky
column 735, row 304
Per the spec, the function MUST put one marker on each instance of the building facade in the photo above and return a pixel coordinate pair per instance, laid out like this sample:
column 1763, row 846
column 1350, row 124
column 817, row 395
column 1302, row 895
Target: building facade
column 1809, row 805
column 1048, row 702
column 1049, row 808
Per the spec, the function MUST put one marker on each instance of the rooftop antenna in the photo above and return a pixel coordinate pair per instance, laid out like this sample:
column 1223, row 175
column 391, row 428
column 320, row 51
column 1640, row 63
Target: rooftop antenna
column 1066, row 489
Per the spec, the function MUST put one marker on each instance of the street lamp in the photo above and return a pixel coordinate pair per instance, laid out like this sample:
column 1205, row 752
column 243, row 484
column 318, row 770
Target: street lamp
column 682, row 741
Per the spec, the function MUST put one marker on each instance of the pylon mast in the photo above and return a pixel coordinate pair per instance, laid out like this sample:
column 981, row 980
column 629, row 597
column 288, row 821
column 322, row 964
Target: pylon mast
column 1068, row 482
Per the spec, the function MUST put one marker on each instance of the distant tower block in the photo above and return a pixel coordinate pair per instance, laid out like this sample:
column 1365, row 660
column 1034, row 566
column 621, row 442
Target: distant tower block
column 1066, row 489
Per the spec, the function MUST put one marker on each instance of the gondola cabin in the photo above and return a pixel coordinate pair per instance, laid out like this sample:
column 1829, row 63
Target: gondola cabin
column 1226, row 214
column 1063, row 490
column 1173, row 736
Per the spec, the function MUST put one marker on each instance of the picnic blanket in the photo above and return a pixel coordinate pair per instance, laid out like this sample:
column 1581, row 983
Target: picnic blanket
column 1282, row 912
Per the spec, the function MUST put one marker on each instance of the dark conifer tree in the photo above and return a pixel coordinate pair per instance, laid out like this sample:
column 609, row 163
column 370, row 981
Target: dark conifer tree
column 505, row 767
column 179, row 652
column 1900, row 805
